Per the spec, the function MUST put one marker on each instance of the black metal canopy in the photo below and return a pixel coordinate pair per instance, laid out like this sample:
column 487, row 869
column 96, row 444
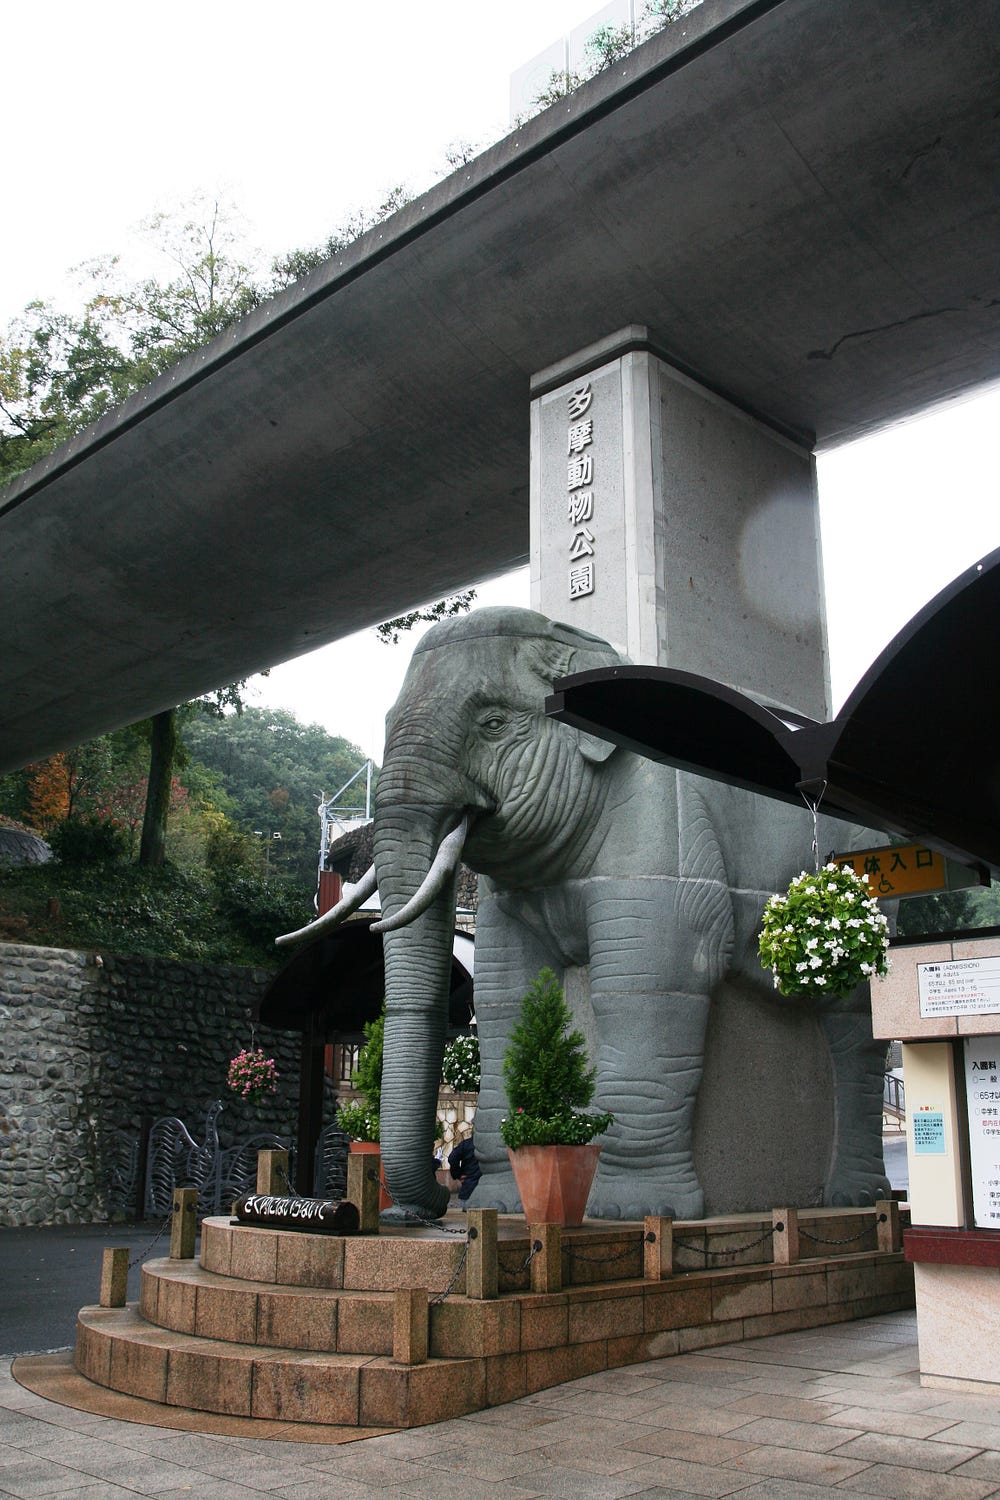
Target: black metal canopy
column 916, row 747
column 335, row 985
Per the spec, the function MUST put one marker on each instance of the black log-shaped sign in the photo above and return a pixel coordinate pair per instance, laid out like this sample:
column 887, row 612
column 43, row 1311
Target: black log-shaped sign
column 315, row 1215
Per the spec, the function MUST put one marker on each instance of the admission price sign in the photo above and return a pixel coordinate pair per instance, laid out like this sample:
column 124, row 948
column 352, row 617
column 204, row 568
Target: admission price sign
column 963, row 987
column 982, row 1085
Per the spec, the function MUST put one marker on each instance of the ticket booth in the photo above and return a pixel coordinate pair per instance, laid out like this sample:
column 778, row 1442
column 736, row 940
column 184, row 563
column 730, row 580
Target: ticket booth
column 942, row 999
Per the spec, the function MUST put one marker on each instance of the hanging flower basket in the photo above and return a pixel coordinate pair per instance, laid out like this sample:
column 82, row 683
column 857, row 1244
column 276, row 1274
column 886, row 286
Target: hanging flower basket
column 253, row 1075
column 826, row 935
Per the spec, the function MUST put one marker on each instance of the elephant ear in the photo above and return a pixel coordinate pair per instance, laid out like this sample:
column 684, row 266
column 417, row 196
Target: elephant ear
column 568, row 650
column 590, row 747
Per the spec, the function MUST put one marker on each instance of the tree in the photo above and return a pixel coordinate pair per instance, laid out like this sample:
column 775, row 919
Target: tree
column 294, row 264
column 271, row 769
column 59, row 372
column 546, row 1074
column 456, row 604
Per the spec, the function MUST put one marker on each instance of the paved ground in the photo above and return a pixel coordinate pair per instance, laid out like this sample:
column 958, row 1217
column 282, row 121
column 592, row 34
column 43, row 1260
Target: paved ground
column 794, row 1416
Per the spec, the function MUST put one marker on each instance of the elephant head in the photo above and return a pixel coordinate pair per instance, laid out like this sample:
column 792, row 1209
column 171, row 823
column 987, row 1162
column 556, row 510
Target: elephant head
column 473, row 769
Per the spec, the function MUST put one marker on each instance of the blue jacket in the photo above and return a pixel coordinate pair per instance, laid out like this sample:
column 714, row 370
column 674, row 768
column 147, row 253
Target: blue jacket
column 463, row 1163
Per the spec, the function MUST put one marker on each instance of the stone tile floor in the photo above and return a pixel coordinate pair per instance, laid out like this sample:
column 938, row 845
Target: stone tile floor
column 797, row 1415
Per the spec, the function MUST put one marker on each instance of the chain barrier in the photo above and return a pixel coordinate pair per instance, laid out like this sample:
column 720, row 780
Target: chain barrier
column 451, row 1285
column 738, row 1249
column 140, row 1255
column 289, row 1190
column 412, row 1217
column 512, row 1271
column 821, row 1239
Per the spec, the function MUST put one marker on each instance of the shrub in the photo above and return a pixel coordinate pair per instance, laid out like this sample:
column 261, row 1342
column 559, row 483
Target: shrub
column 260, row 907
column 89, row 841
column 546, row 1075
column 367, row 1077
column 358, row 1121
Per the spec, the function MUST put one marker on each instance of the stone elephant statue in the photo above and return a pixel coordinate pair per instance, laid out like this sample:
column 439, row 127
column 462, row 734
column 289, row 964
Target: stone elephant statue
column 589, row 856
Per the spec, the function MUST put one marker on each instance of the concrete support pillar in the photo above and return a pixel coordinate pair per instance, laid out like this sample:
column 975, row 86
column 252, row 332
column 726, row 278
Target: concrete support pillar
column 410, row 1322
column 676, row 525
column 890, row 1234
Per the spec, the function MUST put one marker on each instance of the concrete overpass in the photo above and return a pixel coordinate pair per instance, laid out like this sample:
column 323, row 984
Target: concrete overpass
column 798, row 199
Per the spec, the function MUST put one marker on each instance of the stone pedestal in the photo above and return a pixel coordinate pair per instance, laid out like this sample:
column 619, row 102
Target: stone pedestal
column 675, row 525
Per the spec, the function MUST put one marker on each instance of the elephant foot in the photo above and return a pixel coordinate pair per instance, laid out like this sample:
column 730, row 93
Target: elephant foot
column 496, row 1190
column 634, row 1195
column 856, row 1189
column 408, row 1213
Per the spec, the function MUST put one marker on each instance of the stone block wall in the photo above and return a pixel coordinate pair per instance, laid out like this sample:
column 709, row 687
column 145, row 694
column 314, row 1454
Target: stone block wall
column 48, row 1157
column 92, row 1044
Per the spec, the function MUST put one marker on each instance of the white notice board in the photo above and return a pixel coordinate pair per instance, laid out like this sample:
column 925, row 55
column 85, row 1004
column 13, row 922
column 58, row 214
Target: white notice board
column 962, row 987
column 982, row 1085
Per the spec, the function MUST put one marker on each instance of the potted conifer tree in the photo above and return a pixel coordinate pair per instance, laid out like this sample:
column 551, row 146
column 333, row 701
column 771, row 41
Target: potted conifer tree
column 548, row 1132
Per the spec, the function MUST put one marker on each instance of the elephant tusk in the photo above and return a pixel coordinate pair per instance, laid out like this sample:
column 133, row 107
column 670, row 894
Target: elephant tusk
column 445, row 862
column 365, row 887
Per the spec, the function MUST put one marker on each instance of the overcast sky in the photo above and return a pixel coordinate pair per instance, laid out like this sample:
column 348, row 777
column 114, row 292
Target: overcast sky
column 301, row 114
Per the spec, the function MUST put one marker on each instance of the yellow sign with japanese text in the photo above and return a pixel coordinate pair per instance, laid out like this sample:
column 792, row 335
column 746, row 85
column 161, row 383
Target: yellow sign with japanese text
column 898, row 870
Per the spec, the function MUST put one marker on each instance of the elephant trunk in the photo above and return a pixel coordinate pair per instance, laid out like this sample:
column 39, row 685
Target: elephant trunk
column 417, row 981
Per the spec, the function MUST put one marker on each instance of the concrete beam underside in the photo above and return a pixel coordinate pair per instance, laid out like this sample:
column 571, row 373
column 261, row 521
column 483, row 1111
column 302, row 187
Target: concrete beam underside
column 798, row 200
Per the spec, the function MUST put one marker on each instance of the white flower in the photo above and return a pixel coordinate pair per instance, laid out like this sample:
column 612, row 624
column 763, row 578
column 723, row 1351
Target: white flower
column 815, row 963
column 835, row 923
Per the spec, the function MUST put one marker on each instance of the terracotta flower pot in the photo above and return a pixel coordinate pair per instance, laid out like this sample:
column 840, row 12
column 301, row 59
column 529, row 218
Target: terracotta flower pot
column 554, row 1181
column 369, row 1148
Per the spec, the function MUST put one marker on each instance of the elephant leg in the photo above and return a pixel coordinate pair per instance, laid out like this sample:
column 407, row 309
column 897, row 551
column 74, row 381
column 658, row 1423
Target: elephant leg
column 651, row 1019
column 857, row 1168
column 508, row 957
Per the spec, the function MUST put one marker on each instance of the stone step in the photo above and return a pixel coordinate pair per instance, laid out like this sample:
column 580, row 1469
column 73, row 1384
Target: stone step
column 116, row 1348
column 182, row 1297
column 364, row 1263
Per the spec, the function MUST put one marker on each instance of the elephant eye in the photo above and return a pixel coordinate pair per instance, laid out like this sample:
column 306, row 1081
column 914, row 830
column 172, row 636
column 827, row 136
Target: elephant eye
column 493, row 723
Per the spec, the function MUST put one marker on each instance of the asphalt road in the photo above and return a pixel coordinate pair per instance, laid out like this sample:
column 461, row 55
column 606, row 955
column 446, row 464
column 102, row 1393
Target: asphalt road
column 47, row 1274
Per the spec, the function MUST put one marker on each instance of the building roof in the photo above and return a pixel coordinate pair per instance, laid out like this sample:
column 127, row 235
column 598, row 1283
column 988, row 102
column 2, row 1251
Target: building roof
column 799, row 200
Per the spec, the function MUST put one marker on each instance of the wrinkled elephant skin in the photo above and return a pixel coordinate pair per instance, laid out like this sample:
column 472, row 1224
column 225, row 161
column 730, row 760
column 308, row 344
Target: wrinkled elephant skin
column 590, row 855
